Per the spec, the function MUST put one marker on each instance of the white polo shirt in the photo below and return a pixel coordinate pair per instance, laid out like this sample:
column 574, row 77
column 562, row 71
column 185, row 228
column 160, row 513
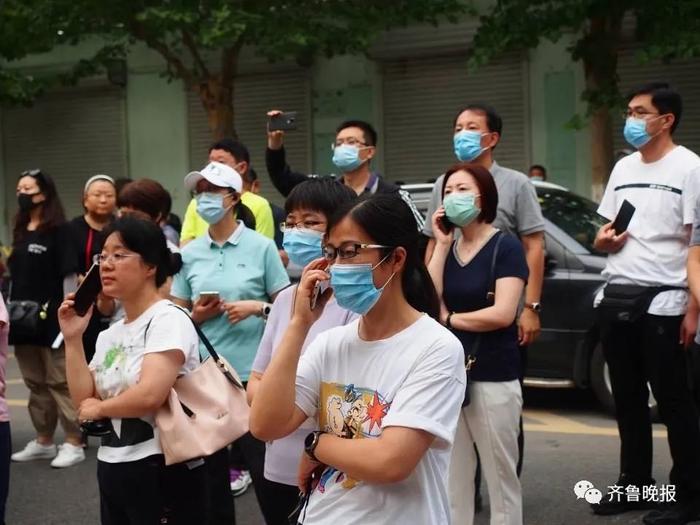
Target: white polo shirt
column 664, row 195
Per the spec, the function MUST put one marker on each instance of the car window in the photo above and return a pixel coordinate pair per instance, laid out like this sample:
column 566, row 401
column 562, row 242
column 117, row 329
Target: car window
column 574, row 214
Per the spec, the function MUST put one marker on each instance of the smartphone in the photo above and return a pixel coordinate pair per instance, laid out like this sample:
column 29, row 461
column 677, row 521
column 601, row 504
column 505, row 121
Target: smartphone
column 209, row 297
column 283, row 121
column 321, row 286
column 445, row 224
column 623, row 218
column 87, row 292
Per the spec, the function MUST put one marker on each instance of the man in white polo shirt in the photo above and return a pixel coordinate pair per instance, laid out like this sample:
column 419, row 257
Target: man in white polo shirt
column 647, row 315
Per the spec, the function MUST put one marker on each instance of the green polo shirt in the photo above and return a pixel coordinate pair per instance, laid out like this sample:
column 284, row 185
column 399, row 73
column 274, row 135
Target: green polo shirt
column 246, row 266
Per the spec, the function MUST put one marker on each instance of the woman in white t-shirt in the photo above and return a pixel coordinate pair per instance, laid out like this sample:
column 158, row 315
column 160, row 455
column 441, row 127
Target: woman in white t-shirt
column 386, row 389
column 136, row 363
column 308, row 207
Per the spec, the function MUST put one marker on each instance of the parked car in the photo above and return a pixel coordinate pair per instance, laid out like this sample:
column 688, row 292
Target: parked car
column 568, row 353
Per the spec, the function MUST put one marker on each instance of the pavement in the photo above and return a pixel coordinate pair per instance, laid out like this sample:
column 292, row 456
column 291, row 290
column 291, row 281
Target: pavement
column 568, row 439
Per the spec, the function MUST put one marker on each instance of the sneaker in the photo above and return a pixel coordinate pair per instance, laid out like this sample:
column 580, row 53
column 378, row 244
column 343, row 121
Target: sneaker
column 68, row 455
column 240, row 481
column 35, row 450
column 678, row 514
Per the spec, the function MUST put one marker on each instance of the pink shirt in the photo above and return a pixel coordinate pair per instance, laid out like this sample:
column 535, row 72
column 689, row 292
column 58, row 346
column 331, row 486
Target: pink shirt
column 4, row 331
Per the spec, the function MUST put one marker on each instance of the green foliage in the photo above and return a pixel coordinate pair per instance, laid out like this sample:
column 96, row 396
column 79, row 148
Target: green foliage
column 188, row 33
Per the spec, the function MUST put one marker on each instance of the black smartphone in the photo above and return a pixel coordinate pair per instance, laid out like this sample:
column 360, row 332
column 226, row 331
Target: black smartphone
column 623, row 218
column 283, row 121
column 445, row 224
column 87, row 292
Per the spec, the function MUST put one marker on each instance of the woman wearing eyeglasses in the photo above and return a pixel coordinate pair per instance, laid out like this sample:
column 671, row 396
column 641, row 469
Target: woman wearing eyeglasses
column 385, row 390
column 39, row 265
column 136, row 364
column 308, row 207
column 229, row 277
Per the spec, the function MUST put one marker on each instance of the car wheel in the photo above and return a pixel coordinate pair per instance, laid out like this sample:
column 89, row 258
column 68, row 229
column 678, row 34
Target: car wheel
column 602, row 388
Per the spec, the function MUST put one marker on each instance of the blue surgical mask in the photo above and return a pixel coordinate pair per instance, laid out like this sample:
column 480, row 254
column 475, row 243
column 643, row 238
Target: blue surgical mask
column 467, row 145
column 302, row 245
column 353, row 286
column 461, row 208
column 347, row 157
column 210, row 206
column 635, row 132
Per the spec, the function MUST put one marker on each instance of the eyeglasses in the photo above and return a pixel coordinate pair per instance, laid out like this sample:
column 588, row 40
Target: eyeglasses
column 309, row 225
column 350, row 141
column 644, row 115
column 348, row 250
column 114, row 258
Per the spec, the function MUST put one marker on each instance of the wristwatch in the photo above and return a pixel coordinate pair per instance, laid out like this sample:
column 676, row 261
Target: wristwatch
column 311, row 442
column 535, row 307
column 265, row 310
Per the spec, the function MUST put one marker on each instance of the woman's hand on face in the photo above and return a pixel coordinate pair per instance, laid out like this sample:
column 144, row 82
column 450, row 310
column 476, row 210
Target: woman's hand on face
column 314, row 274
column 90, row 409
column 237, row 311
column 72, row 325
column 441, row 237
column 205, row 309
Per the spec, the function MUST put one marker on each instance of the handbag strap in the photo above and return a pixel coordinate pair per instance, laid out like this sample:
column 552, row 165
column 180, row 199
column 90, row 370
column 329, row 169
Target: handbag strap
column 490, row 295
column 221, row 365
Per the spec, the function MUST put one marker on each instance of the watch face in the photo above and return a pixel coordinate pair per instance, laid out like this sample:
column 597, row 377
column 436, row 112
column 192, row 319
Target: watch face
column 309, row 440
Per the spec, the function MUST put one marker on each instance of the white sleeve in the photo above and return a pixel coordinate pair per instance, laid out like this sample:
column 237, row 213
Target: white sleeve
column 430, row 398
column 308, row 382
column 691, row 191
column 608, row 206
column 170, row 329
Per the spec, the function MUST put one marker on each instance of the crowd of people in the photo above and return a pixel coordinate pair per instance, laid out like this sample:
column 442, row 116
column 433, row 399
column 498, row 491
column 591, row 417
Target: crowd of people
column 387, row 380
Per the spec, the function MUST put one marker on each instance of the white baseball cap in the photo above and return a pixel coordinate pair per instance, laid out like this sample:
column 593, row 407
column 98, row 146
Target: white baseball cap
column 218, row 174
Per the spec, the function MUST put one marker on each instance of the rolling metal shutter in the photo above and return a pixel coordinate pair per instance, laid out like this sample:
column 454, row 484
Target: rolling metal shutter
column 71, row 135
column 254, row 95
column 421, row 98
column 683, row 75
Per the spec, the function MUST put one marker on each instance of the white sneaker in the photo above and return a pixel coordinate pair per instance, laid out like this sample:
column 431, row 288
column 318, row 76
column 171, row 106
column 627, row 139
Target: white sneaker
column 35, row 450
column 240, row 481
column 68, row 455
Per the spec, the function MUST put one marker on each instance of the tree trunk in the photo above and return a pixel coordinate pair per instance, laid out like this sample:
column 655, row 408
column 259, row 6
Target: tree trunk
column 217, row 99
column 599, row 53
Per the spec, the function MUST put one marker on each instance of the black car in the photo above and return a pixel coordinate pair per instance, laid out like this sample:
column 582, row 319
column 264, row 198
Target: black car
column 567, row 353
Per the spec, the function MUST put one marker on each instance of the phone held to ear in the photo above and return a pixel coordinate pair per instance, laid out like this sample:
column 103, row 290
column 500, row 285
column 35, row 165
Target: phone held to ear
column 319, row 288
column 445, row 225
column 87, row 292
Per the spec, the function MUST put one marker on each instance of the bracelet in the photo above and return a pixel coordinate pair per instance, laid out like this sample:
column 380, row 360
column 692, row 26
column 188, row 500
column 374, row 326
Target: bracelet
column 448, row 321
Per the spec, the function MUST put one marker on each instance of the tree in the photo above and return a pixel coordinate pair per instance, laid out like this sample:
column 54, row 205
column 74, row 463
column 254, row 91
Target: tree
column 199, row 40
column 664, row 30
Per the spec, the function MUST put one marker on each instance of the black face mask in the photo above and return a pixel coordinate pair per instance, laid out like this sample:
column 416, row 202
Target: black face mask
column 25, row 203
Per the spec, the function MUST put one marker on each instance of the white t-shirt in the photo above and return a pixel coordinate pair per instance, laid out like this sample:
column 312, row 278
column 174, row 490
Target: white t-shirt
column 116, row 366
column 664, row 194
column 356, row 388
column 282, row 455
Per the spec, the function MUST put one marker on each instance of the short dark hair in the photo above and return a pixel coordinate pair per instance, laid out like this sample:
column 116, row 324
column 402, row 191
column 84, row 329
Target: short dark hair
column 663, row 97
column 324, row 195
column 487, row 188
column 52, row 214
column 388, row 220
column 367, row 130
column 493, row 119
column 147, row 196
column 234, row 147
column 538, row 167
column 147, row 239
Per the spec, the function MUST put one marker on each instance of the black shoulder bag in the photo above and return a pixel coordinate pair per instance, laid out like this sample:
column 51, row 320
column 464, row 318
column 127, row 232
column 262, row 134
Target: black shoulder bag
column 28, row 320
column 471, row 355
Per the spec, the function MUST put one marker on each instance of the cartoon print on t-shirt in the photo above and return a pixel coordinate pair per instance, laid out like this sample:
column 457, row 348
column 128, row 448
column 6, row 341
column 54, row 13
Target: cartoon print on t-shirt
column 352, row 413
column 110, row 375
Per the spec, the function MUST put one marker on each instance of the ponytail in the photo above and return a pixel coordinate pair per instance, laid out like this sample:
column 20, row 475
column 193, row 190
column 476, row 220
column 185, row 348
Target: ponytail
column 419, row 290
column 244, row 214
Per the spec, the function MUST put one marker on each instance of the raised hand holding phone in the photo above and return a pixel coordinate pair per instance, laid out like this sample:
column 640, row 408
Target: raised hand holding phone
column 309, row 286
column 443, row 229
